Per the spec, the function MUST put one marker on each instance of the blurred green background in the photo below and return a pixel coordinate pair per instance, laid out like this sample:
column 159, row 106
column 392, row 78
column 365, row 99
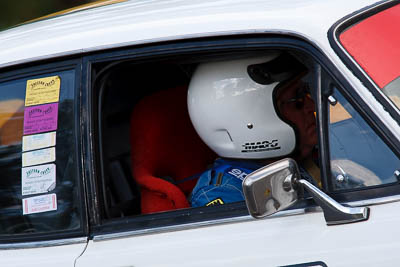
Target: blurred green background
column 13, row 12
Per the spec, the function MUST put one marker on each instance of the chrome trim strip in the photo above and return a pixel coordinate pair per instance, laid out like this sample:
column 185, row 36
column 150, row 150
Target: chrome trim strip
column 42, row 244
column 374, row 201
column 189, row 226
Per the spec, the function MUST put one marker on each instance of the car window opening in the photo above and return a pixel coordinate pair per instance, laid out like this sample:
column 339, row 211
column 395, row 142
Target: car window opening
column 154, row 140
column 183, row 133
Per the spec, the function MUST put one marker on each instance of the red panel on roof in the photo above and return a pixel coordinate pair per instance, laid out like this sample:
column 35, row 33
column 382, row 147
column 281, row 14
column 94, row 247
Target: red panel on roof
column 375, row 44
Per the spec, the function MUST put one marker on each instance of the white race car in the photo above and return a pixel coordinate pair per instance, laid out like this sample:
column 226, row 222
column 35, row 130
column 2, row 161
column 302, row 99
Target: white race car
column 98, row 155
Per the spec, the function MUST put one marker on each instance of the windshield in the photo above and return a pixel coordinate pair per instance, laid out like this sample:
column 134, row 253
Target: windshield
column 374, row 44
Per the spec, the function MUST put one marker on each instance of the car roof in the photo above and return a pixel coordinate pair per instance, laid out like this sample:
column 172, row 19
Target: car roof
column 144, row 21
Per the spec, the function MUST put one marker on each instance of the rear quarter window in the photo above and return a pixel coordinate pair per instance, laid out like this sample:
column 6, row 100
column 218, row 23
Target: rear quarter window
column 38, row 163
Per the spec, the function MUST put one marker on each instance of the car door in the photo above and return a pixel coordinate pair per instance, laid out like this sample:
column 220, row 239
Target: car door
column 358, row 163
column 42, row 205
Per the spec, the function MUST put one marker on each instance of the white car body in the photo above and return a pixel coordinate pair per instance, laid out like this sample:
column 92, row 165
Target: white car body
column 287, row 238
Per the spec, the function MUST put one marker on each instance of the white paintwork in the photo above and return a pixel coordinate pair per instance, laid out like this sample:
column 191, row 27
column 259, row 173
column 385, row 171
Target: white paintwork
column 60, row 256
column 267, row 242
column 142, row 21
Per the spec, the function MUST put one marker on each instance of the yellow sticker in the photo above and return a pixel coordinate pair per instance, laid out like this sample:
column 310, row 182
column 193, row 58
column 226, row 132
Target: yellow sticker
column 42, row 91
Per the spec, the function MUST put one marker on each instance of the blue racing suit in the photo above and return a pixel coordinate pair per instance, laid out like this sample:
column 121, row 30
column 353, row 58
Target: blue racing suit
column 223, row 182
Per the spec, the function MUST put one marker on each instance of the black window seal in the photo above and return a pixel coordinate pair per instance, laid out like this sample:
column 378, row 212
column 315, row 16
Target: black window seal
column 32, row 69
column 343, row 24
column 233, row 43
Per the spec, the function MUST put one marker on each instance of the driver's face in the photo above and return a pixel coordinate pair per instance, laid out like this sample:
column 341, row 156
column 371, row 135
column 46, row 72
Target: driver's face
column 297, row 107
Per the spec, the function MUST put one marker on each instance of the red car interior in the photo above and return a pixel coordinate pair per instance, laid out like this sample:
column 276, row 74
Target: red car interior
column 165, row 149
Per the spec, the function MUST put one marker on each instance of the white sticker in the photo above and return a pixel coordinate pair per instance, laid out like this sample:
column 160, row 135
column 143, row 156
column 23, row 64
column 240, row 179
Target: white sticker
column 39, row 204
column 38, row 156
column 38, row 179
column 36, row 141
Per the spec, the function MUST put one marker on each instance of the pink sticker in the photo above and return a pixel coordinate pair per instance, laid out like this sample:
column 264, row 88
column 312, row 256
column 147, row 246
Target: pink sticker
column 39, row 119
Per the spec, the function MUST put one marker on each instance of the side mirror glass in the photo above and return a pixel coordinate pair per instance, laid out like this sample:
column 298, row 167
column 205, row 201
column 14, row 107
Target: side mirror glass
column 278, row 186
column 270, row 189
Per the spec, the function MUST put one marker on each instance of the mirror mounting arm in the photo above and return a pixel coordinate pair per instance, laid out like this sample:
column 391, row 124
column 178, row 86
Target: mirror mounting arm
column 334, row 212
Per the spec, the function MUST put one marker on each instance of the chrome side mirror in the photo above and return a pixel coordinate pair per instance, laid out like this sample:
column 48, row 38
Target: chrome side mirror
column 278, row 186
column 270, row 189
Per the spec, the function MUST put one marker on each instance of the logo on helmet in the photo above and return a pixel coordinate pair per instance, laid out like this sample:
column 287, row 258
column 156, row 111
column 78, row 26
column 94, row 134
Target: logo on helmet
column 260, row 146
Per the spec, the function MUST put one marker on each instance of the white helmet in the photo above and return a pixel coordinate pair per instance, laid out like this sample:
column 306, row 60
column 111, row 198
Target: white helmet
column 234, row 115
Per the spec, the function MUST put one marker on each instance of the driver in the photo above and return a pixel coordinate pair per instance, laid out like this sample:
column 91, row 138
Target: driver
column 250, row 112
